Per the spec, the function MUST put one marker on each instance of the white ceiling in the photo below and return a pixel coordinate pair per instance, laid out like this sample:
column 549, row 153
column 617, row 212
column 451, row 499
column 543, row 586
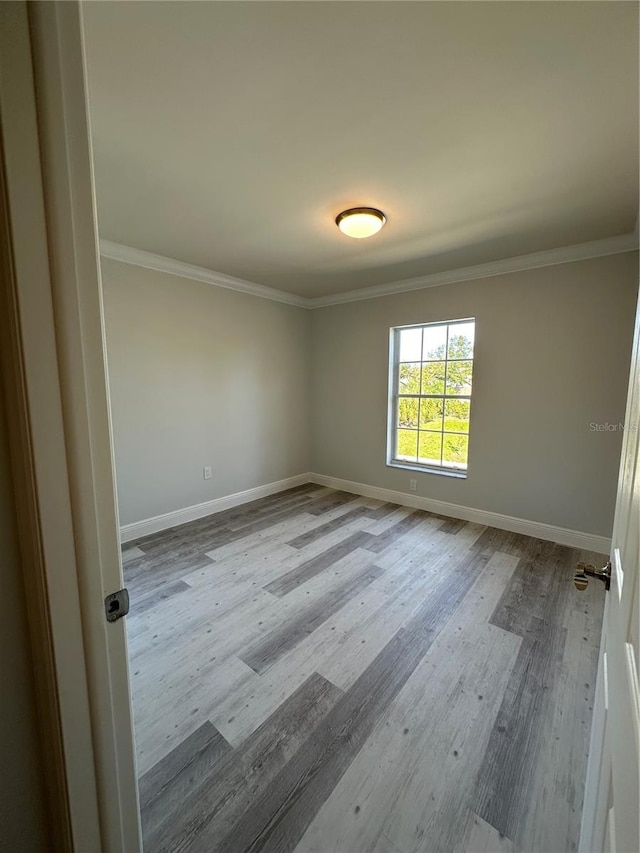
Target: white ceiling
column 230, row 134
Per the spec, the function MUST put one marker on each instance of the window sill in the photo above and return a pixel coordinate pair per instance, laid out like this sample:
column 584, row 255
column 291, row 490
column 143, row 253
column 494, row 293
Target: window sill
column 423, row 469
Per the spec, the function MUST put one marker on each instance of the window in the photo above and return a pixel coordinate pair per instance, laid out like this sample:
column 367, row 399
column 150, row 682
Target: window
column 431, row 369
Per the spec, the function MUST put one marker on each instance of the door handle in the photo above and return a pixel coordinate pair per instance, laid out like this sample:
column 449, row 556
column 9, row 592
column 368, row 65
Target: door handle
column 584, row 571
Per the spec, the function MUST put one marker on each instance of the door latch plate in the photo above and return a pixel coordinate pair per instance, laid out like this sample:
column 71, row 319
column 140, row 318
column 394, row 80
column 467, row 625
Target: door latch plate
column 116, row 605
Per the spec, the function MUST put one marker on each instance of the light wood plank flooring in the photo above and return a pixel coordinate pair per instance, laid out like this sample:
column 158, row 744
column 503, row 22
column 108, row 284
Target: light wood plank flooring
column 317, row 671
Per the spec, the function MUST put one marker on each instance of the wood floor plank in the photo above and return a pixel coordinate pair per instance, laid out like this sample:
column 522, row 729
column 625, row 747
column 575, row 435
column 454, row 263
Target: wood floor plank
column 376, row 543
column 279, row 818
column 218, row 799
column 289, row 633
column 329, row 526
column 279, row 533
column 552, row 818
column 209, row 538
column 452, row 526
column 165, row 788
column 503, row 782
column 220, row 520
column 409, row 522
column 378, row 510
column 309, row 568
column 170, row 707
column 131, row 553
column 529, row 592
column 383, row 522
column 416, row 769
column 363, row 637
column 259, row 524
column 514, row 544
column 297, row 501
column 191, row 618
column 240, row 624
column 362, row 626
column 331, row 501
column 142, row 601
column 534, row 606
column 481, row 837
column 441, row 705
column 244, row 710
column 145, row 569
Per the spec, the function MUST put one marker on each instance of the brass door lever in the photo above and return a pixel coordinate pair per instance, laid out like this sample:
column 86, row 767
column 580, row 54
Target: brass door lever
column 584, row 571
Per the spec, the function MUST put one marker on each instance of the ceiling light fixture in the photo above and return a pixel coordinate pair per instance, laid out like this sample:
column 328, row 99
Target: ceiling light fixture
column 360, row 221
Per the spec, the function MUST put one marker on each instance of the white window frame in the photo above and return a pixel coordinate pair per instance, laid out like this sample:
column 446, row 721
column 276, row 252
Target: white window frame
column 392, row 403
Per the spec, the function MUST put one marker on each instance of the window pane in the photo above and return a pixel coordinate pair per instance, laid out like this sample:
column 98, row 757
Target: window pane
column 433, row 378
column 407, row 447
column 433, row 373
column 461, row 337
column 409, row 378
column 456, row 415
column 455, row 450
column 410, row 344
column 408, row 412
column 430, row 448
column 434, row 346
column 431, row 412
column 459, row 377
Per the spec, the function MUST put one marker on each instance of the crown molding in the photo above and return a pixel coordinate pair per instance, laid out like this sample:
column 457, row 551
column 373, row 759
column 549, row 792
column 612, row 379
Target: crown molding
column 159, row 263
column 551, row 257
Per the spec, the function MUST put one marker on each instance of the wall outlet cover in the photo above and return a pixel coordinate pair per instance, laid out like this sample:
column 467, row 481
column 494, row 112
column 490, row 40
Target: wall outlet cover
column 206, row 472
column 413, row 485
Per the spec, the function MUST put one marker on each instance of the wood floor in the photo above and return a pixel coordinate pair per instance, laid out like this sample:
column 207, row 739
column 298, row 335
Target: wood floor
column 317, row 671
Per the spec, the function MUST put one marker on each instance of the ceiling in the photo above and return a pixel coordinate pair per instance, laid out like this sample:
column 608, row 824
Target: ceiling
column 229, row 134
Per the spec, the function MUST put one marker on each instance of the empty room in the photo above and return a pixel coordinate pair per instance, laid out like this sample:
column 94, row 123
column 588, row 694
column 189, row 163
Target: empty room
column 386, row 653
column 352, row 358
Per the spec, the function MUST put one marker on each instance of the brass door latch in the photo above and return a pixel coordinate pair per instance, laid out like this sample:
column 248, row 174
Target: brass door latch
column 584, row 571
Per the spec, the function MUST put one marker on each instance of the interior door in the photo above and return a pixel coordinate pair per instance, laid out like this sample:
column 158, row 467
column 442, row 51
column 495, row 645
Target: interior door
column 611, row 804
column 65, row 148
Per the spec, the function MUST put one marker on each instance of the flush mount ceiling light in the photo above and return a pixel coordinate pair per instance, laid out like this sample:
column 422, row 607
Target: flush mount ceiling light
column 360, row 221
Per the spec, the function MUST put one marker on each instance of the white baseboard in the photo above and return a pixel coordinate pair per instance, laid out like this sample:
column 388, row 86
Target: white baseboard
column 572, row 538
column 138, row 529
column 562, row 535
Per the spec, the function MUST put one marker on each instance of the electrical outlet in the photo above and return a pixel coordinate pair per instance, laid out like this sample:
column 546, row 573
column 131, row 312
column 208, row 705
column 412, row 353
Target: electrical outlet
column 413, row 485
column 206, row 472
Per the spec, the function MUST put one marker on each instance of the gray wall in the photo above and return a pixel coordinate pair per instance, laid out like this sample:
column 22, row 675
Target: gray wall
column 199, row 376
column 262, row 391
column 22, row 815
column 552, row 356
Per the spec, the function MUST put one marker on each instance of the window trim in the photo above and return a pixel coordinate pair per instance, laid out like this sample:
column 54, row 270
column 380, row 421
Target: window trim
column 393, row 395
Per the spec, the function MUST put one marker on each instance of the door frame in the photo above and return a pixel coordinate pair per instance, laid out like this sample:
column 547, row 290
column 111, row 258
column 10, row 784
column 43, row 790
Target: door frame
column 54, row 372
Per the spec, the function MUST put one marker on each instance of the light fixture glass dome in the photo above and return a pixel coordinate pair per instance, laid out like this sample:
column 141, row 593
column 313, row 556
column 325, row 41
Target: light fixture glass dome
column 360, row 222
